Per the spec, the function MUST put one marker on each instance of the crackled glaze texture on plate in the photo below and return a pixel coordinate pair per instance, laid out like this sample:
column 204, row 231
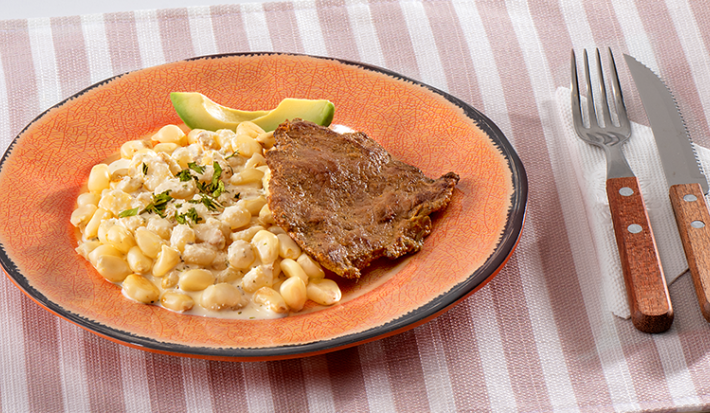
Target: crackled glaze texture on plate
column 47, row 164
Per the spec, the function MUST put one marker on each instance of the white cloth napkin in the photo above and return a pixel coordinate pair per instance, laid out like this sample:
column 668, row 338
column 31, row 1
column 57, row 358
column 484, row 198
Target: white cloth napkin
column 590, row 172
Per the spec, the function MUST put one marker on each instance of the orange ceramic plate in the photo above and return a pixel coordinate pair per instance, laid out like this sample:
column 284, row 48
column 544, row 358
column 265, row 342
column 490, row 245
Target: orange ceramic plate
column 45, row 167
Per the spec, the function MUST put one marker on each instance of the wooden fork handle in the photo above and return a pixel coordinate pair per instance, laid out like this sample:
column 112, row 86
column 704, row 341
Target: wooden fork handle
column 693, row 220
column 646, row 289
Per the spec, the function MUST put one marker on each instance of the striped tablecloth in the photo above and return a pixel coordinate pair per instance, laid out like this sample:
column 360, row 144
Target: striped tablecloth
column 537, row 338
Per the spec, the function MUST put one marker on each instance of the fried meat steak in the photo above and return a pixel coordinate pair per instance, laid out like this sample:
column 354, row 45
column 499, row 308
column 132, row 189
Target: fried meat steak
column 345, row 200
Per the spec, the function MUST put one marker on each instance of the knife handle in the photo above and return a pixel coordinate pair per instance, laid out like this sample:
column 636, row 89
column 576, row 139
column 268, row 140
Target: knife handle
column 693, row 219
column 646, row 289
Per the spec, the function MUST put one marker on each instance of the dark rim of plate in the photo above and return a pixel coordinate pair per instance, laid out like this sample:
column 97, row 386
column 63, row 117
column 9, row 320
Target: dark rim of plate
column 509, row 239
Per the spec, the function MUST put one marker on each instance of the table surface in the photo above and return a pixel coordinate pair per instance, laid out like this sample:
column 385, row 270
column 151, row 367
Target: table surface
column 47, row 8
column 539, row 337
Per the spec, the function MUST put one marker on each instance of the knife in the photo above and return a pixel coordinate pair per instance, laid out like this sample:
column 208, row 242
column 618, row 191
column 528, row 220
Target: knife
column 683, row 173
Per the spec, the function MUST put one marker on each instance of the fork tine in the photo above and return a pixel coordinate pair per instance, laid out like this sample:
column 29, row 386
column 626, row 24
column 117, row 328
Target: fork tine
column 576, row 100
column 618, row 98
column 605, row 116
column 591, row 114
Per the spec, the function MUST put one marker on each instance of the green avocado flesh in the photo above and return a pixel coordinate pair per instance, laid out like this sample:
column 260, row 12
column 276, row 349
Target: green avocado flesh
column 199, row 112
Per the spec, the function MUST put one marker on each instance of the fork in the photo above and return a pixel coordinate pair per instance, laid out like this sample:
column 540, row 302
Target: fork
column 646, row 289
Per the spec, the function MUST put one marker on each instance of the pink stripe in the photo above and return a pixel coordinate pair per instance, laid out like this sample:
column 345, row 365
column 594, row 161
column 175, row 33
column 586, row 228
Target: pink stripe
column 454, row 53
column 287, row 376
column 405, row 373
column 226, row 382
column 523, row 360
column 645, row 366
column 175, row 34
column 394, row 37
column 103, row 372
column 72, row 63
column 228, row 28
column 122, row 41
column 283, row 27
column 337, row 32
column 23, row 100
column 167, row 391
column 346, row 381
column 463, row 359
column 674, row 67
column 606, row 31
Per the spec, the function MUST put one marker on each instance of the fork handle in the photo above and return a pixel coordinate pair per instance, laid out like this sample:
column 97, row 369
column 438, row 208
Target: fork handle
column 691, row 215
column 646, row 289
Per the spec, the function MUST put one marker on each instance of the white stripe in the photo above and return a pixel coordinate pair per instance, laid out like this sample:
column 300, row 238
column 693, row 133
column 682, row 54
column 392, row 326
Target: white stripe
column 634, row 32
column 13, row 371
column 606, row 337
column 196, row 383
column 691, row 40
column 374, row 374
column 256, row 28
column 363, row 30
column 97, row 49
column 258, row 387
column 680, row 384
column 484, row 65
column 43, row 56
column 148, row 33
column 425, row 50
column 436, row 372
column 484, row 321
column 309, row 27
column 318, row 389
column 203, row 41
column 134, row 377
column 72, row 367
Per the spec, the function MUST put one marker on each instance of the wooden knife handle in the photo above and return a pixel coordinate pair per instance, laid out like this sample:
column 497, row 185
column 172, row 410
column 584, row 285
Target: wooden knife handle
column 693, row 219
column 646, row 289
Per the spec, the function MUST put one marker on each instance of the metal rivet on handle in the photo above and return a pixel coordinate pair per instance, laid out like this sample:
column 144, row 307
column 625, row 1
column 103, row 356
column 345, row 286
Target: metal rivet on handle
column 697, row 224
column 690, row 198
column 635, row 228
column 626, row 191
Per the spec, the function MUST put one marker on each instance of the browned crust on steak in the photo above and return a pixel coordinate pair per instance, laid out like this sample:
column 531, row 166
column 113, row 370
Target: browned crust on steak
column 345, row 200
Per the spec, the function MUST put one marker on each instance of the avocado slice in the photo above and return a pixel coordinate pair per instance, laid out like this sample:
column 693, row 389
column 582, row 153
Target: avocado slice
column 319, row 112
column 200, row 112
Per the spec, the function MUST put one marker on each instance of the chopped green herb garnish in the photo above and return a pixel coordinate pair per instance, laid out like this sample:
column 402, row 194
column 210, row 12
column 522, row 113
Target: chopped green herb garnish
column 218, row 191
column 195, row 167
column 128, row 213
column 207, row 201
column 145, row 169
column 191, row 215
column 184, row 175
column 235, row 153
column 217, row 173
column 159, row 203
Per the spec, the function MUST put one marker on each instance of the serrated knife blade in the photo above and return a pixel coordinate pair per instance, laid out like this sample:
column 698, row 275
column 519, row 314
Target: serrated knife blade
column 687, row 183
